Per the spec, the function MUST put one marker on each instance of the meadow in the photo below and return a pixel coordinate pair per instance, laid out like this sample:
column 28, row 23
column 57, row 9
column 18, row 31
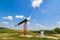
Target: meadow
column 22, row 38
column 9, row 34
column 15, row 36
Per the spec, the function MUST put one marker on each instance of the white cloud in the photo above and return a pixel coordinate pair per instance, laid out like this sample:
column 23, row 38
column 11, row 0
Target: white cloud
column 43, row 10
column 5, row 22
column 58, row 22
column 36, row 3
column 55, row 27
column 42, row 27
column 39, row 25
column 20, row 16
column 8, row 17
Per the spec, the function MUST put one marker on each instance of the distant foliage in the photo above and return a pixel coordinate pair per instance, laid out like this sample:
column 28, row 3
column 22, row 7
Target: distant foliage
column 1, row 28
column 57, row 30
column 7, row 30
column 54, row 31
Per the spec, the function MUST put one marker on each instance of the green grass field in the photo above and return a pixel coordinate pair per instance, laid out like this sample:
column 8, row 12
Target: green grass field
column 22, row 38
column 34, row 38
column 8, row 34
column 15, row 36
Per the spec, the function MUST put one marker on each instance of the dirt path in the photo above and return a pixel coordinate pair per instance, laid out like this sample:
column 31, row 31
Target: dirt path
column 40, row 37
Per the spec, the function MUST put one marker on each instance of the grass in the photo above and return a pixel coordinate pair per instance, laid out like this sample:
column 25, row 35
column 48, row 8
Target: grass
column 15, row 36
column 33, row 38
column 9, row 34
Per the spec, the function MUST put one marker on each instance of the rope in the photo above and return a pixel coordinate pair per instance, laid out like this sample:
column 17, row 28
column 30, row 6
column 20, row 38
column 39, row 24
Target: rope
column 32, row 12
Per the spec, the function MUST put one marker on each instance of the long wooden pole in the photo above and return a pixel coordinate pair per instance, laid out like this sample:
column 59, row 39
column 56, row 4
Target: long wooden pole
column 25, row 28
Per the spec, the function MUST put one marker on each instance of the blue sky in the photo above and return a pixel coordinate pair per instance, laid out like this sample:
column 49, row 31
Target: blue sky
column 47, row 15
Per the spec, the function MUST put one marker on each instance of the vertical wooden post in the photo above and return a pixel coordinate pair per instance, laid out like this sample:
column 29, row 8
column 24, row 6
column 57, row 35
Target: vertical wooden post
column 25, row 28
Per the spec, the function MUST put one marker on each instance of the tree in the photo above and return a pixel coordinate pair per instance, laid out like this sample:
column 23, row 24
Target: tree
column 57, row 30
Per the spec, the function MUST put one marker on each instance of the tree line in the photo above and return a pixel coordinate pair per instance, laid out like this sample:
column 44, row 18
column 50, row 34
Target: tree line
column 54, row 31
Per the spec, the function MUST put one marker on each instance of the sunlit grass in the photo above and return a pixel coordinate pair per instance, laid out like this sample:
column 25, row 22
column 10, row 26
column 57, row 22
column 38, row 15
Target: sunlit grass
column 22, row 38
